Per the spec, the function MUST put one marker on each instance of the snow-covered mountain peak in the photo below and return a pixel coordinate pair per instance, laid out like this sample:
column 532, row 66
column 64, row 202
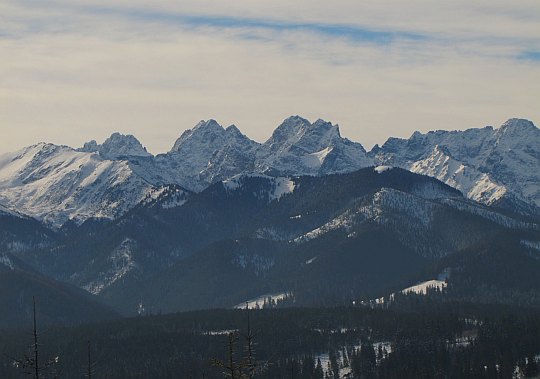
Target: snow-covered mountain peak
column 210, row 124
column 298, row 147
column 516, row 132
column 517, row 124
column 233, row 130
column 289, row 131
column 117, row 146
column 205, row 132
column 320, row 123
column 209, row 153
column 120, row 145
column 295, row 128
column 416, row 135
column 89, row 147
column 57, row 183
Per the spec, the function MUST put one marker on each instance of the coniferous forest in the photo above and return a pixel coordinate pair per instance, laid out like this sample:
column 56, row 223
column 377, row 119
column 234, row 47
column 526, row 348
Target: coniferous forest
column 412, row 337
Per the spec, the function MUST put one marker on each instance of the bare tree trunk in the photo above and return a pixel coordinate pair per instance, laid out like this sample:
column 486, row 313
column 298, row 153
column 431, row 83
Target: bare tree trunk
column 36, row 362
column 89, row 372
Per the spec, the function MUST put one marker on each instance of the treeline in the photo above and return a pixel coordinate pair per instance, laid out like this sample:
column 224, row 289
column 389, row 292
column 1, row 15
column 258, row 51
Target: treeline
column 410, row 339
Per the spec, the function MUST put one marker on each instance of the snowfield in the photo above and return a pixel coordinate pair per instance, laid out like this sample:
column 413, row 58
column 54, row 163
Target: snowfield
column 259, row 301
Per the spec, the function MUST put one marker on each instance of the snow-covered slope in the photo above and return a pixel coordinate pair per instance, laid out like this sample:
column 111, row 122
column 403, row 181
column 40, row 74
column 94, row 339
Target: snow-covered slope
column 298, row 147
column 57, row 183
column 488, row 165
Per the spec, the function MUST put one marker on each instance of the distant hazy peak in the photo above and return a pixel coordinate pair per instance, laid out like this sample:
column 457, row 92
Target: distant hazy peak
column 204, row 130
column 291, row 127
column 232, row 129
column 116, row 146
column 89, row 147
column 518, row 123
column 517, row 128
column 210, row 124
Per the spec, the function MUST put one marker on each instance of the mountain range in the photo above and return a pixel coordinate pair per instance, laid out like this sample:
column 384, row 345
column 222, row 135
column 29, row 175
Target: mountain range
column 308, row 217
column 57, row 184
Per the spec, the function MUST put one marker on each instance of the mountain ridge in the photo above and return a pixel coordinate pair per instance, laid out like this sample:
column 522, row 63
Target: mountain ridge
column 55, row 184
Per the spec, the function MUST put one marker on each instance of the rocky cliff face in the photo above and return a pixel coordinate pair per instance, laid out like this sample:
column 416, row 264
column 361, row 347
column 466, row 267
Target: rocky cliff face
column 488, row 165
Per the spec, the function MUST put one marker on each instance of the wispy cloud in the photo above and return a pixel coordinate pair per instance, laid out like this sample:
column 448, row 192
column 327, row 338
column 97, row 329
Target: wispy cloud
column 530, row 55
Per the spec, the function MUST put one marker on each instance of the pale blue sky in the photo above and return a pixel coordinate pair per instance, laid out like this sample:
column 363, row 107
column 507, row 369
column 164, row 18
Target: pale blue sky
column 73, row 71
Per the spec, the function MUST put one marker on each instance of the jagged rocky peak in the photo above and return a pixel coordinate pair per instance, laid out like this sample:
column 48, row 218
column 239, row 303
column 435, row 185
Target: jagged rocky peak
column 325, row 132
column 290, row 130
column 299, row 147
column 517, row 124
column 234, row 131
column 207, row 131
column 517, row 128
column 295, row 129
column 116, row 146
column 208, row 126
column 89, row 147
column 120, row 145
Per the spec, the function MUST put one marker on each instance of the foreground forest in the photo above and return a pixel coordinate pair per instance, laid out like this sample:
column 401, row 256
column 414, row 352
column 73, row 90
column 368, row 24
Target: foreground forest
column 413, row 337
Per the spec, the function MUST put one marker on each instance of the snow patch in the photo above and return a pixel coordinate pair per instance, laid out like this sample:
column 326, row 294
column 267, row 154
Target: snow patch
column 534, row 248
column 283, row 186
column 222, row 332
column 381, row 169
column 315, row 160
column 278, row 186
column 4, row 260
column 422, row 288
column 532, row 244
column 231, row 185
column 259, row 301
column 121, row 262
